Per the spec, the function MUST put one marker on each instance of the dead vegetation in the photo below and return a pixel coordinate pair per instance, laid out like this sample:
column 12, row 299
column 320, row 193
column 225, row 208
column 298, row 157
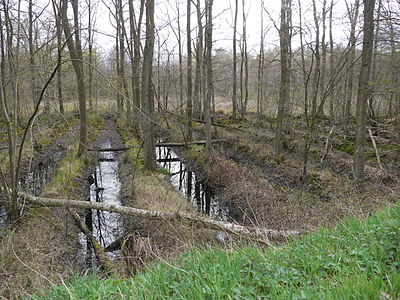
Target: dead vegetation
column 260, row 191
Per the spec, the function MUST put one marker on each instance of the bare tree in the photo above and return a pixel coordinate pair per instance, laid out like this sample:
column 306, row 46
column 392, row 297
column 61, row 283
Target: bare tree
column 135, row 59
column 353, row 15
column 75, row 52
column 245, row 64
column 59, row 48
column 234, row 68
column 147, row 90
column 363, row 88
column 260, row 72
column 189, row 105
column 208, row 43
column 285, row 76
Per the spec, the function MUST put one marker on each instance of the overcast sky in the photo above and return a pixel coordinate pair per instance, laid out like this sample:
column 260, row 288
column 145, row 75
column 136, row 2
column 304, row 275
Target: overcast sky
column 165, row 14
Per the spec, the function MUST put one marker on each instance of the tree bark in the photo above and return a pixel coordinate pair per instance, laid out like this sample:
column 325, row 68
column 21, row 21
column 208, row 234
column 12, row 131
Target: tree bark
column 234, row 68
column 363, row 89
column 189, row 103
column 147, row 90
column 245, row 59
column 75, row 52
column 207, row 105
column 254, row 233
column 284, row 83
column 349, row 88
column 198, row 82
column 59, row 48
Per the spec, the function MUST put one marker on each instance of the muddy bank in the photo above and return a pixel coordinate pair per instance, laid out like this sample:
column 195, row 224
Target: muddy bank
column 259, row 191
column 36, row 172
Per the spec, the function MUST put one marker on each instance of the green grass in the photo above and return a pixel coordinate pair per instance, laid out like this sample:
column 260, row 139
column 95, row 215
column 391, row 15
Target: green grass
column 358, row 260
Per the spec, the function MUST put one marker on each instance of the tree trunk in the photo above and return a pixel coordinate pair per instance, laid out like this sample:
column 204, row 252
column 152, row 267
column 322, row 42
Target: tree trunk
column 284, row 83
column 75, row 53
column 135, row 45
column 246, row 64
column 147, row 90
column 12, row 196
column 331, row 61
column 199, row 77
column 234, row 69
column 90, row 45
column 363, row 89
column 189, row 105
column 207, row 105
column 260, row 71
column 254, row 233
column 32, row 66
column 323, row 63
column 353, row 20
column 59, row 49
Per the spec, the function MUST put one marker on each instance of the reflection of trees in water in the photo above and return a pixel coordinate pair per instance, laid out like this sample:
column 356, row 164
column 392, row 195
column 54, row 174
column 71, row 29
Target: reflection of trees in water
column 198, row 192
column 106, row 226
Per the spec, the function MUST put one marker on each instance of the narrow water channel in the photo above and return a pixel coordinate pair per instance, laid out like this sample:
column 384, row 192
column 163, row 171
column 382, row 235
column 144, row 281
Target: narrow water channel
column 105, row 187
column 198, row 192
column 39, row 173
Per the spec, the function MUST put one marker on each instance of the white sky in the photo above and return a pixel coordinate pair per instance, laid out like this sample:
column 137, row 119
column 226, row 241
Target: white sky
column 223, row 22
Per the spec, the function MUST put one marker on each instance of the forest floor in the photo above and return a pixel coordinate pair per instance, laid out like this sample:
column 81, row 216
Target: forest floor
column 241, row 170
column 40, row 248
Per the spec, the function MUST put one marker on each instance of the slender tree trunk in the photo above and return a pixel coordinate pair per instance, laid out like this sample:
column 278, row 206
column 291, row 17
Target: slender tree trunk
column 363, row 89
column 234, row 69
column 59, row 48
column 285, row 77
column 371, row 111
column 246, row 63
column 180, row 57
column 331, row 61
column 12, row 196
column 323, row 63
column 207, row 105
column 260, row 72
column 135, row 45
column 198, row 83
column 124, row 84
column 90, row 45
column 33, row 70
column 189, row 105
column 147, row 90
column 353, row 20
column 75, row 53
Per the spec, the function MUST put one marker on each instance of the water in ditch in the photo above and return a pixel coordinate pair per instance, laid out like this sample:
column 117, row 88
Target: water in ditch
column 105, row 187
column 35, row 179
column 198, row 192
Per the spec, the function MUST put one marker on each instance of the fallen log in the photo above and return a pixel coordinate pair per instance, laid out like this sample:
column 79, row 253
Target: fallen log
column 111, row 149
column 378, row 158
column 186, row 144
column 166, row 144
column 98, row 250
column 260, row 235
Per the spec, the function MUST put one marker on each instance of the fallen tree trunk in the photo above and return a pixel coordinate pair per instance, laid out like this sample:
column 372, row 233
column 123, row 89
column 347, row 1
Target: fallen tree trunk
column 166, row 144
column 99, row 251
column 260, row 235
column 186, row 144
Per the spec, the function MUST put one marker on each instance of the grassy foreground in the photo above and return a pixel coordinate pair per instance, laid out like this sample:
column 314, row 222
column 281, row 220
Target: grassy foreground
column 358, row 260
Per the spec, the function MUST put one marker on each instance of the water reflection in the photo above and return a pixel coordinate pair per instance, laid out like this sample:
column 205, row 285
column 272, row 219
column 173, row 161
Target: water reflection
column 105, row 187
column 34, row 181
column 199, row 193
